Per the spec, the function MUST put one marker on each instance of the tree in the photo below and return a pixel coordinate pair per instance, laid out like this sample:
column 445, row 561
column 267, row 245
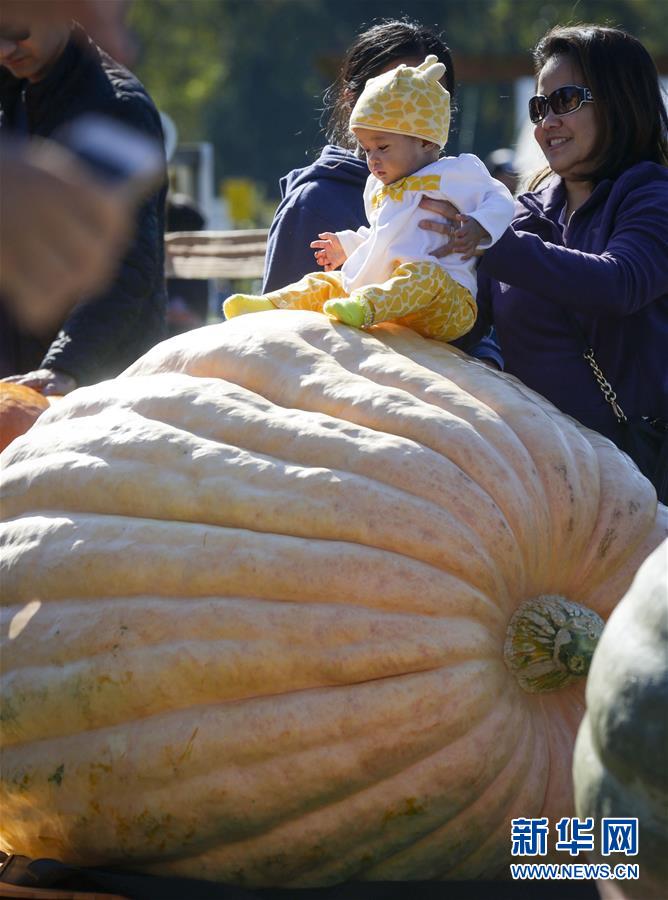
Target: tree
column 249, row 75
column 182, row 57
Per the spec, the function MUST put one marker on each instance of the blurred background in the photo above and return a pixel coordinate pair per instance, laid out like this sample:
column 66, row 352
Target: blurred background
column 240, row 82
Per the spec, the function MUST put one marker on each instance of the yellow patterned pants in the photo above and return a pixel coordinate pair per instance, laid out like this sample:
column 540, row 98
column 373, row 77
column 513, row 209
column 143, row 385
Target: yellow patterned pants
column 419, row 295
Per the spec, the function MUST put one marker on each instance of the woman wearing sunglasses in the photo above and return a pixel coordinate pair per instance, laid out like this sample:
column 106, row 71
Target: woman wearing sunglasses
column 584, row 265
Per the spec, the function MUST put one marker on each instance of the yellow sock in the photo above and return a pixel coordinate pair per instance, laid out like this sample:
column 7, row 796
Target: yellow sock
column 240, row 304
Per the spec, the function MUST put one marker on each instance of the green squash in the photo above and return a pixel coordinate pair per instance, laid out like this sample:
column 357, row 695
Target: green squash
column 620, row 765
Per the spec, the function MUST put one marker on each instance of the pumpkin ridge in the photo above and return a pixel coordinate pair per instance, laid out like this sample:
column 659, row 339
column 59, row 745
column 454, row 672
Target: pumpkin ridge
column 517, row 800
column 359, row 414
column 277, row 359
column 603, row 591
column 257, row 704
column 481, row 375
column 117, row 498
column 267, row 499
column 610, row 545
column 213, row 860
column 443, row 457
column 108, row 797
column 406, row 487
column 241, row 550
column 134, row 622
column 92, row 699
column 367, row 369
column 428, row 847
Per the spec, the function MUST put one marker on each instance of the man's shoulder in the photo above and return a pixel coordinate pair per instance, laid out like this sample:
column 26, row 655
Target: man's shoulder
column 122, row 86
column 121, row 80
column 108, row 88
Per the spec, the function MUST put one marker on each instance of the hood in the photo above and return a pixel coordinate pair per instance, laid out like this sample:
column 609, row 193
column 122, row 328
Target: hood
column 333, row 164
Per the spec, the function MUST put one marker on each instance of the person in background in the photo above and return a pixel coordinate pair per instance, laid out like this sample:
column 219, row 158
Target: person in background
column 401, row 121
column 50, row 74
column 61, row 234
column 501, row 165
column 584, row 267
column 49, row 199
column 103, row 20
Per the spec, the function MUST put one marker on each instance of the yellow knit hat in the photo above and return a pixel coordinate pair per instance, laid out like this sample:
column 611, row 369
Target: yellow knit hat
column 406, row 100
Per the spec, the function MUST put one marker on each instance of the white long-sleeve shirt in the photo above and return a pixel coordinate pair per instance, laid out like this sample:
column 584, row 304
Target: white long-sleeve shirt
column 393, row 236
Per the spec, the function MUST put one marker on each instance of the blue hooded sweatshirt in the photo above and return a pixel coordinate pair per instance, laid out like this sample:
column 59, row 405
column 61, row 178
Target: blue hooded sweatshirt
column 324, row 196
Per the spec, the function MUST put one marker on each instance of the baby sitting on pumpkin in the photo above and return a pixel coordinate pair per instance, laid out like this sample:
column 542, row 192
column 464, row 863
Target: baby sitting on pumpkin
column 388, row 271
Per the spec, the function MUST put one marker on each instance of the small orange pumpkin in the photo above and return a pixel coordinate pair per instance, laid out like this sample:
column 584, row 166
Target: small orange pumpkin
column 20, row 406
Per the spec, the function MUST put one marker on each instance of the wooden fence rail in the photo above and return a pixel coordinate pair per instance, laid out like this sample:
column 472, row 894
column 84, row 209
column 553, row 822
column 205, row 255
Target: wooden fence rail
column 216, row 254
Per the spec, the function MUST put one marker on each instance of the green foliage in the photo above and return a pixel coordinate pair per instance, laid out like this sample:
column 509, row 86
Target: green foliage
column 249, row 75
column 516, row 25
column 182, row 57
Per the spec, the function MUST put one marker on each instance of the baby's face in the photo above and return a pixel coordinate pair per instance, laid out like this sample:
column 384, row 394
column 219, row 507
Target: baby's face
column 393, row 156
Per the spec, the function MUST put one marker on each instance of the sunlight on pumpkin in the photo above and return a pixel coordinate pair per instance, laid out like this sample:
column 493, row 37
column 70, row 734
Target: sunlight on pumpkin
column 22, row 617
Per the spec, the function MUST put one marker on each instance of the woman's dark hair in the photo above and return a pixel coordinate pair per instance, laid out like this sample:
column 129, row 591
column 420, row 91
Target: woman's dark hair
column 631, row 119
column 372, row 51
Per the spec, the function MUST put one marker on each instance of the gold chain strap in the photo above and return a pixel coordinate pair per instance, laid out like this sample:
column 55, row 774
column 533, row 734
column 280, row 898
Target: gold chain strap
column 605, row 386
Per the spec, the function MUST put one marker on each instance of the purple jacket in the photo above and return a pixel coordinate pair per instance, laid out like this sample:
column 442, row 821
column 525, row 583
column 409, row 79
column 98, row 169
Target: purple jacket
column 608, row 269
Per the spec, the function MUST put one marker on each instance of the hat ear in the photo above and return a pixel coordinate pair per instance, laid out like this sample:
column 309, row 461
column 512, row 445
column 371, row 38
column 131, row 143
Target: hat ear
column 431, row 68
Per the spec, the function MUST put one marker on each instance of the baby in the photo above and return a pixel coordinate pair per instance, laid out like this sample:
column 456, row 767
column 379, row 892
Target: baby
column 388, row 272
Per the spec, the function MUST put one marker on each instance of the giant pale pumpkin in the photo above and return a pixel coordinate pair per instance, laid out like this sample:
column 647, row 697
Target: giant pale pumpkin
column 288, row 604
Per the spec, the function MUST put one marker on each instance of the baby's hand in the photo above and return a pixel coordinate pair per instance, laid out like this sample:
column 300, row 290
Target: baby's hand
column 468, row 236
column 329, row 252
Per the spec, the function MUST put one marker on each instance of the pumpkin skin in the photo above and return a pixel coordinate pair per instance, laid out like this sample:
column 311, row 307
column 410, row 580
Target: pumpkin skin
column 258, row 590
column 20, row 406
column 619, row 765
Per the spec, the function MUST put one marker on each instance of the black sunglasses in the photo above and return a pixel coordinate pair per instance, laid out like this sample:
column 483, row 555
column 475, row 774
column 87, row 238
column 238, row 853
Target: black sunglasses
column 564, row 100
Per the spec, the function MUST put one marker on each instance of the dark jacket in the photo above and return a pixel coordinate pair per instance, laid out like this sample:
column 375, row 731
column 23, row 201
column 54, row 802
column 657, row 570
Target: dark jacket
column 325, row 196
column 608, row 269
column 106, row 333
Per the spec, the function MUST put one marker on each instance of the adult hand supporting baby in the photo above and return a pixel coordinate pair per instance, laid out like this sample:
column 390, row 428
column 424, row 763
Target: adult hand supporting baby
column 448, row 227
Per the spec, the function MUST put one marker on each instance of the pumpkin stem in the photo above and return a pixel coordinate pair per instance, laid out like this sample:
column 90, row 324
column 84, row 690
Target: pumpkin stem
column 550, row 642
